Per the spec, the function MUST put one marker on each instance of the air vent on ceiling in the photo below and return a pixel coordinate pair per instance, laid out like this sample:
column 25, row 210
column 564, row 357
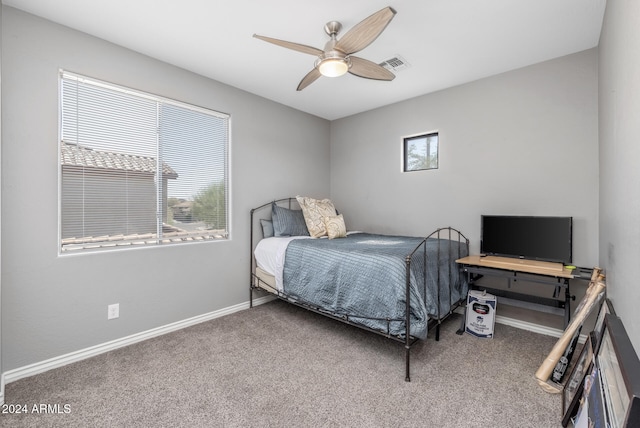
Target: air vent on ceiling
column 396, row 63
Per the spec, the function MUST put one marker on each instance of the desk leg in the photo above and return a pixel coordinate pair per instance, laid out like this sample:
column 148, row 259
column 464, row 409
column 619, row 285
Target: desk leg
column 464, row 315
column 462, row 322
column 567, row 303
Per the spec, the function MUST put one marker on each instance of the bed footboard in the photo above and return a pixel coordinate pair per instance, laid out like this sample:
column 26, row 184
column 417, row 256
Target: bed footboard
column 450, row 291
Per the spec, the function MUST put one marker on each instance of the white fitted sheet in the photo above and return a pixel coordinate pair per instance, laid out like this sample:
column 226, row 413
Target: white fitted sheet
column 270, row 254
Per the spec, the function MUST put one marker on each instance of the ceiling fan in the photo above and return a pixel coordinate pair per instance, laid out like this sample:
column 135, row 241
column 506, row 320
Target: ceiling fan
column 336, row 59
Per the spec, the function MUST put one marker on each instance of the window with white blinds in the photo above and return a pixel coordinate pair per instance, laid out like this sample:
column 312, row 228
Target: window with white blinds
column 137, row 169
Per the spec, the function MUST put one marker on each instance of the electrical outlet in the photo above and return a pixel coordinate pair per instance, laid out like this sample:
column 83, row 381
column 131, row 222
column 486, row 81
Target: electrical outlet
column 113, row 311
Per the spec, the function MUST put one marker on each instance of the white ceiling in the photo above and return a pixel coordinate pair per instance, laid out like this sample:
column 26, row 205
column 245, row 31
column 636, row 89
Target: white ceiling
column 446, row 42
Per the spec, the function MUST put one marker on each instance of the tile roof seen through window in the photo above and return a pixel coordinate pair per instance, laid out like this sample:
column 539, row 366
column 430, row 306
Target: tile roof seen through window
column 75, row 155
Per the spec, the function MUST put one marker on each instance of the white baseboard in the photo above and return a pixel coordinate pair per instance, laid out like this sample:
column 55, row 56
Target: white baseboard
column 72, row 357
column 1, row 389
column 524, row 325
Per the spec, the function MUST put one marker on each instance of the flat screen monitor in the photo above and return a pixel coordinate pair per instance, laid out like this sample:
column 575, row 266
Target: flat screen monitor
column 527, row 237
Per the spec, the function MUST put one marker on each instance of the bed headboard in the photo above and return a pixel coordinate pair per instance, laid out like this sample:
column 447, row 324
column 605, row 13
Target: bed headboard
column 263, row 212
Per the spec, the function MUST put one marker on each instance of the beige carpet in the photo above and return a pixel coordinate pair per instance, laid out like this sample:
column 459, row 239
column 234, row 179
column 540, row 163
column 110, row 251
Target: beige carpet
column 280, row 366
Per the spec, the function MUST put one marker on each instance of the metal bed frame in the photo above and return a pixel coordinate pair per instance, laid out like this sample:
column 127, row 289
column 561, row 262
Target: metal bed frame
column 441, row 234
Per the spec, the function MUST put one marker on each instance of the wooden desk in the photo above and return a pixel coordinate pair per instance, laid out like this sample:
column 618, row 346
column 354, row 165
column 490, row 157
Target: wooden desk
column 525, row 270
column 519, row 265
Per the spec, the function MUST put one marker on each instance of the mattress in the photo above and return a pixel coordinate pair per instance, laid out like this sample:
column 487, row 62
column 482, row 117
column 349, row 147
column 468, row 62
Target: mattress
column 264, row 280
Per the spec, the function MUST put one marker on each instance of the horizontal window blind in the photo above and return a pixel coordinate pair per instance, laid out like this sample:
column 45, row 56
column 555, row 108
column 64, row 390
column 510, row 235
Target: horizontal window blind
column 137, row 169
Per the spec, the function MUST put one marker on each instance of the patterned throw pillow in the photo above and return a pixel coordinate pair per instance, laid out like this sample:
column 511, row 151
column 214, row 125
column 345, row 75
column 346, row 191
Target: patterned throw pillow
column 314, row 210
column 335, row 226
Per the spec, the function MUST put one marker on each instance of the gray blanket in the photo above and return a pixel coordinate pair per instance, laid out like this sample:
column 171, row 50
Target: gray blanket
column 363, row 276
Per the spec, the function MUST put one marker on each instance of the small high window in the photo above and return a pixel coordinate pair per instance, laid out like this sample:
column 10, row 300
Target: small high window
column 420, row 152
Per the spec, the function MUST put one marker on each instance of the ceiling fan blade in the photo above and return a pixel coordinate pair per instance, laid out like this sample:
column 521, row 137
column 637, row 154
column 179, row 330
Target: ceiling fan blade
column 311, row 77
column 361, row 36
column 368, row 69
column 290, row 45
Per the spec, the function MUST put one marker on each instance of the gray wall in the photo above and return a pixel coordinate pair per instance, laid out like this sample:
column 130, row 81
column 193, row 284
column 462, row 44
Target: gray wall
column 521, row 143
column 1, row 371
column 619, row 127
column 54, row 305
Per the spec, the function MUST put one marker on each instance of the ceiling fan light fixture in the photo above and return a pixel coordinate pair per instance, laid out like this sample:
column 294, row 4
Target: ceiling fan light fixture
column 333, row 66
column 335, row 59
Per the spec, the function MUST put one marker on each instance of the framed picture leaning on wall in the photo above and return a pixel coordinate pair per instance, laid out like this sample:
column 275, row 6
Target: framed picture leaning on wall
column 572, row 391
column 605, row 308
column 620, row 375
